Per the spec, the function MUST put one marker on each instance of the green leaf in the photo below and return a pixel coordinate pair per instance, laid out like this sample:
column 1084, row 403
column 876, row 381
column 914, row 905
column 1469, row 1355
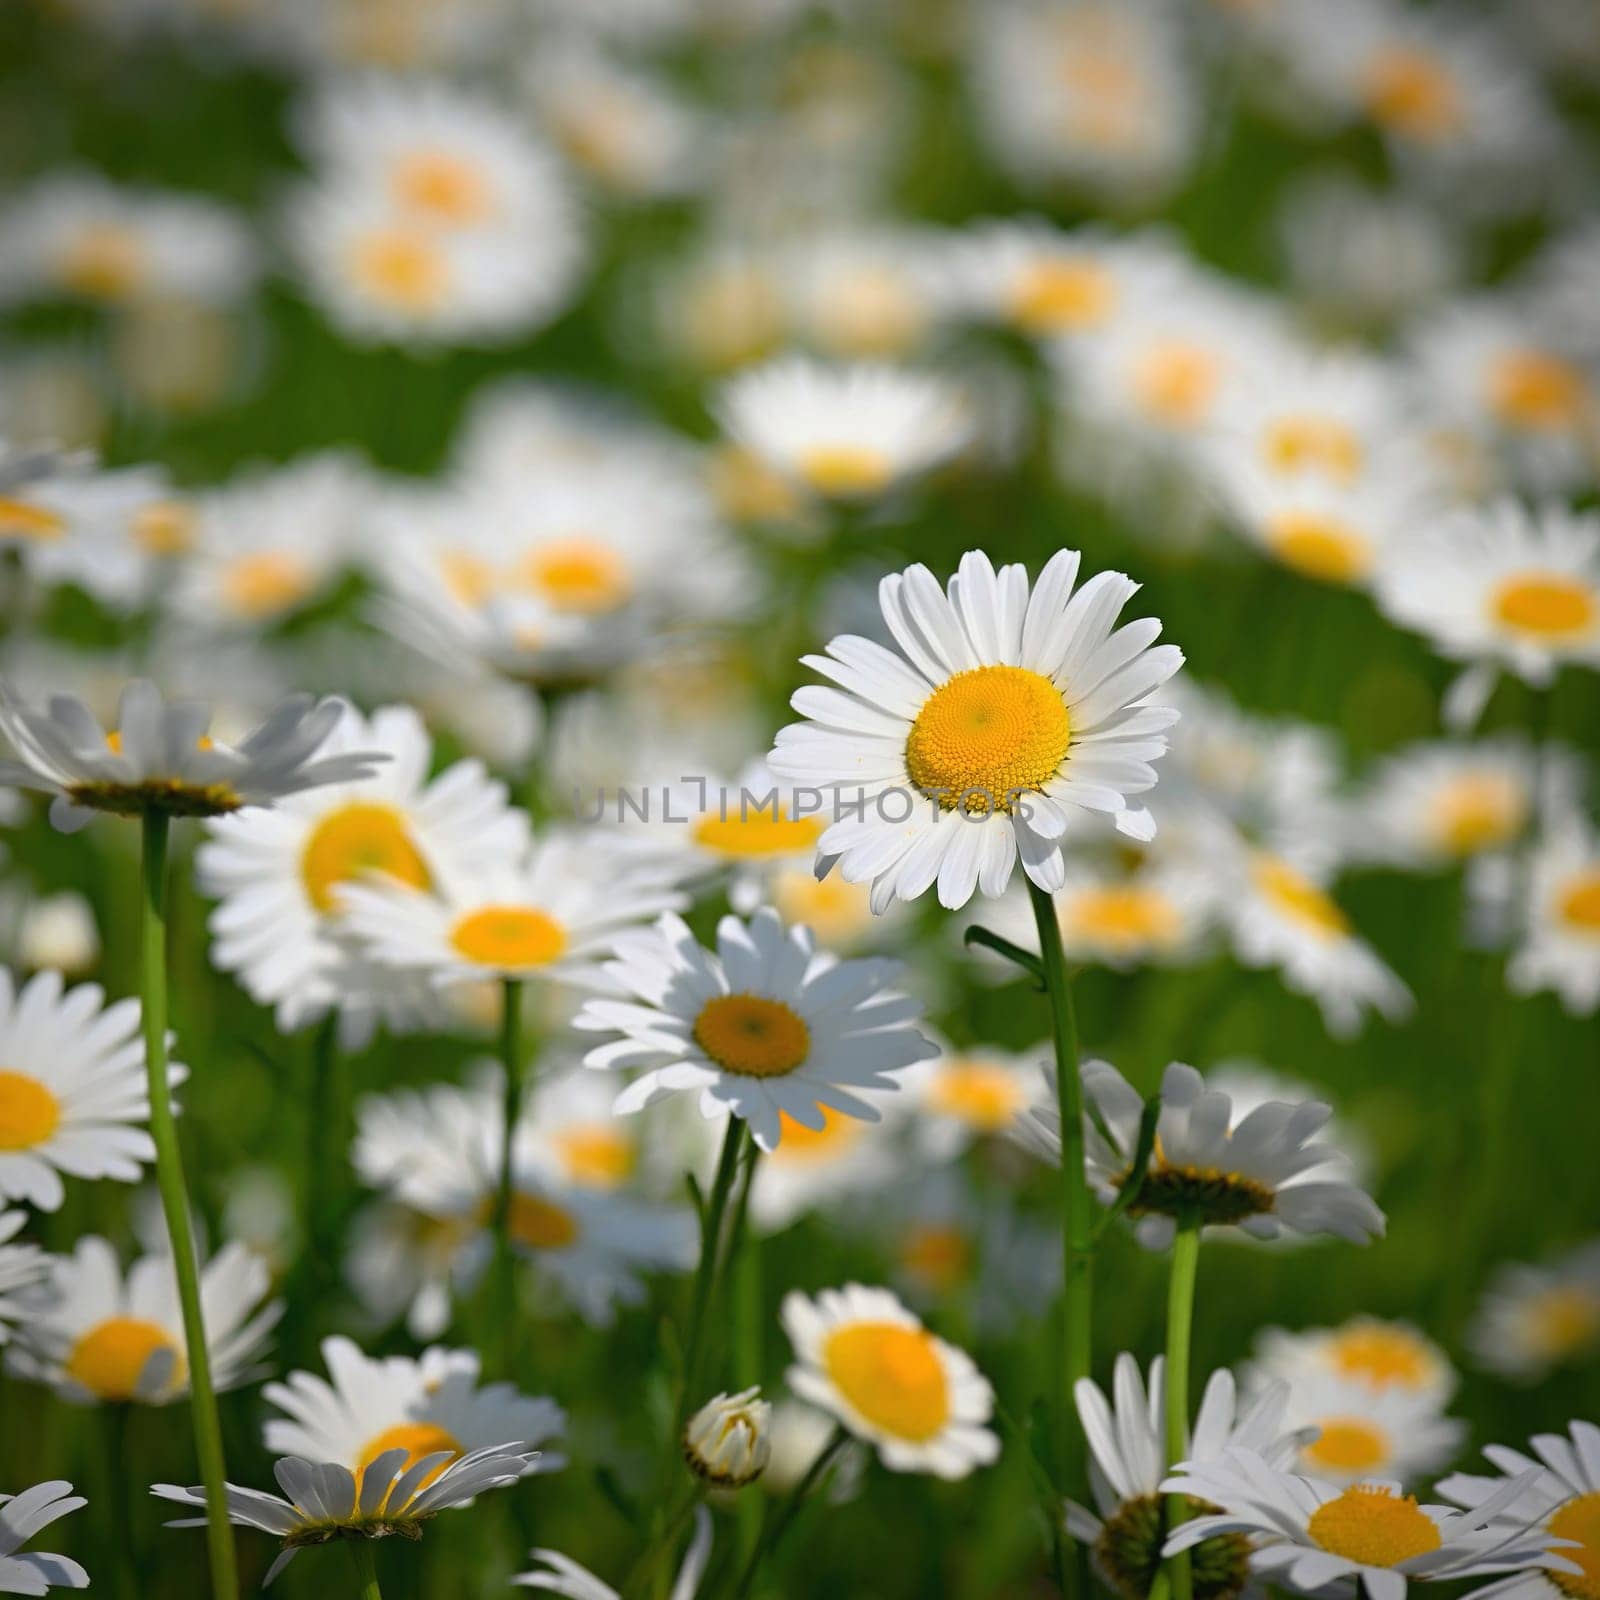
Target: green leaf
column 1129, row 1192
column 1014, row 953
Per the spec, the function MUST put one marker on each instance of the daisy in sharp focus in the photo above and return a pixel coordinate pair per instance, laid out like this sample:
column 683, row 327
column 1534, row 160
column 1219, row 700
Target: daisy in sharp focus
column 1127, row 1460
column 1559, row 945
column 1263, row 1173
column 74, row 1096
column 764, row 1026
column 159, row 758
column 23, row 1515
column 862, row 1357
column 1534, row 1319
column 98, row 1337
column 1003, row 712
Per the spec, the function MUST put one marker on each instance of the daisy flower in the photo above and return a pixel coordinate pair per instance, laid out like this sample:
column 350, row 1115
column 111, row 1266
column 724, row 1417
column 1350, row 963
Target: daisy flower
column 1127, row 1460
column 1003, row 713
column 864, row 295
column 280, row 876
column 73, row 1090
column 424, row 1405
column 1357, row 1432
column 811, row 1169
column 21, row 1266
column 403, row 1263
column 728, row 1441
column 765, row 1026
column 323, row 1501
column 1385, row 1357
column 865, row 1359
column 159, row 758
column 1533, row 1319
column 1559, row 947
column 22, row 1516
column 1563, row 1502
column 98, row 1338
column 845, row 433
column 964, row 1095
column 559, row 1574
column 1308, row 1534
column 1263, row 1173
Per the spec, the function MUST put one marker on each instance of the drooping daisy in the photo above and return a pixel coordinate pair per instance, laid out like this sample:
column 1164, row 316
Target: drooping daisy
column 98, row 1338
column 424, row 1405
column 861, row 1356
column 1368, row 1351
column 159, row 758
column 1559, row 947
column 1264, row 1173
column 1127, row 1460
column 323, row 1501
column 1005, row 712
column 1307, row 1534
column 280, row 876
column 1358, row 1432
column 73, row 1089
column 765, row 1026
column 845, row 433
column 23, row 1515
column 21, row 1266
column 1533, row 1319
column 559, row 1574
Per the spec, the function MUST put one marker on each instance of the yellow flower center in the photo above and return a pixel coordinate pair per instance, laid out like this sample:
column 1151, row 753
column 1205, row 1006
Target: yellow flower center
column 1545, row 605
column 1383, row 1355
column 596, row 1154
column 1580, row 902
column 1347, row 1445
column 417, row 1439
column 1313, row 444
column 1062, row 296
column 540, row 1224
column 400, row 268
column 1123, row 917
column 1298, row 898
column 800, row 1145
column 1537, row 391
column 1411, row 92
column 1319, row 546
column 834, row 909
column 29, row 1112
column 20, row 520
column 871, row 312
column 357, row 839
column 509, row 936
column 752, row 1035
column 109, row 1358
column 985, row 735
column 1374, row 1526
column 579, row 575
column 103, row 262
column 938, row 1256
column 165, row 528
column 1579, row 1520
column 265, row 583
column 891, row 1375
column 980, row 1093
column 845, row 471
column 442, row 186
column 1563, row 1320
column 1478, row 811
column 758, row 832
column 1176, row 381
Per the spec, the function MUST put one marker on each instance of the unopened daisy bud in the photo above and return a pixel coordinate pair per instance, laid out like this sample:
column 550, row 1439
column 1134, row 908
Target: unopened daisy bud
column 59, row 931
column 729, row 1439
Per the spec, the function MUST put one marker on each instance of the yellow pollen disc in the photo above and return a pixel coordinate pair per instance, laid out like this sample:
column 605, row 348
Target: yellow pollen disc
column 1545, row 605
column 29, row 1112
column 596, row 1154
column 748, row 490
column 985, row 733
column 1580, row 902
column 979, row 1093
column 834, row 909
column 1563, row 1320
column 1374, row 1526
column 20, row 520
column 845, row 470
column 1347, row 1445
column 1313, row 444
column 1062, row 296
column 752, row 1035
column 1382, row 1355
column 165, row 528
column 756, row 833
column 266, row 583
column 442, row 187
column 541, row 1225
column 108, row 1359
column 1123, row 917
column 1477, row 812
column 1175, row 383
column 509, row 936
column 1319, row 546
column 417, row 1439
column 401, row 269
column 104, row 262
column 1411, row 92
column 800, row 1145
column 1298, row 898
column 1579, row 1520
column 892, row 1375
column 579, row 575
column 468, row 577
column 940, row 1257
column 357, row 839
column 1103, row 92
column 1537, row 391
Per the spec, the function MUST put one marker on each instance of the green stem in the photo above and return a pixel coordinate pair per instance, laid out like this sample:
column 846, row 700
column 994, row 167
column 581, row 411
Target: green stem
column 504, row 1299
column 366, row 1569
column 705, row 1276
column 324, row 1146
column 1180, row 1330
column 777, row 1524
column 744, row 1268
column 116, row 1479
column 175, row 1204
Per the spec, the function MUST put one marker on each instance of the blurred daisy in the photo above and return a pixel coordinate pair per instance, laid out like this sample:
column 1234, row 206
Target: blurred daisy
column 559, row 1574
column 98, row 1338
column 400, row 1262
column 813, row 1169
column 1385, row 1357
column 765, row 1026
column 921, row 1403
column 1006, row 712
column 1127, row 1459
column 22, row 1516
column 159, row 758
column 53, row 930
column 21, row 1267
column 861, row 296
column 845, row 433
column 964, row 1095
column 1263, row 1173
column 1358, row 1432
column 722, row 307
column 1532, row 1320
column 427, row 1405
column 1559, row 945
column 73, row 1090
column 323, row 1501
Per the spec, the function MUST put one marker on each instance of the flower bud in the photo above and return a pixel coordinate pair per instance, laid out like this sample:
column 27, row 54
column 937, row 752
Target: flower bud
column 729, row 1439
